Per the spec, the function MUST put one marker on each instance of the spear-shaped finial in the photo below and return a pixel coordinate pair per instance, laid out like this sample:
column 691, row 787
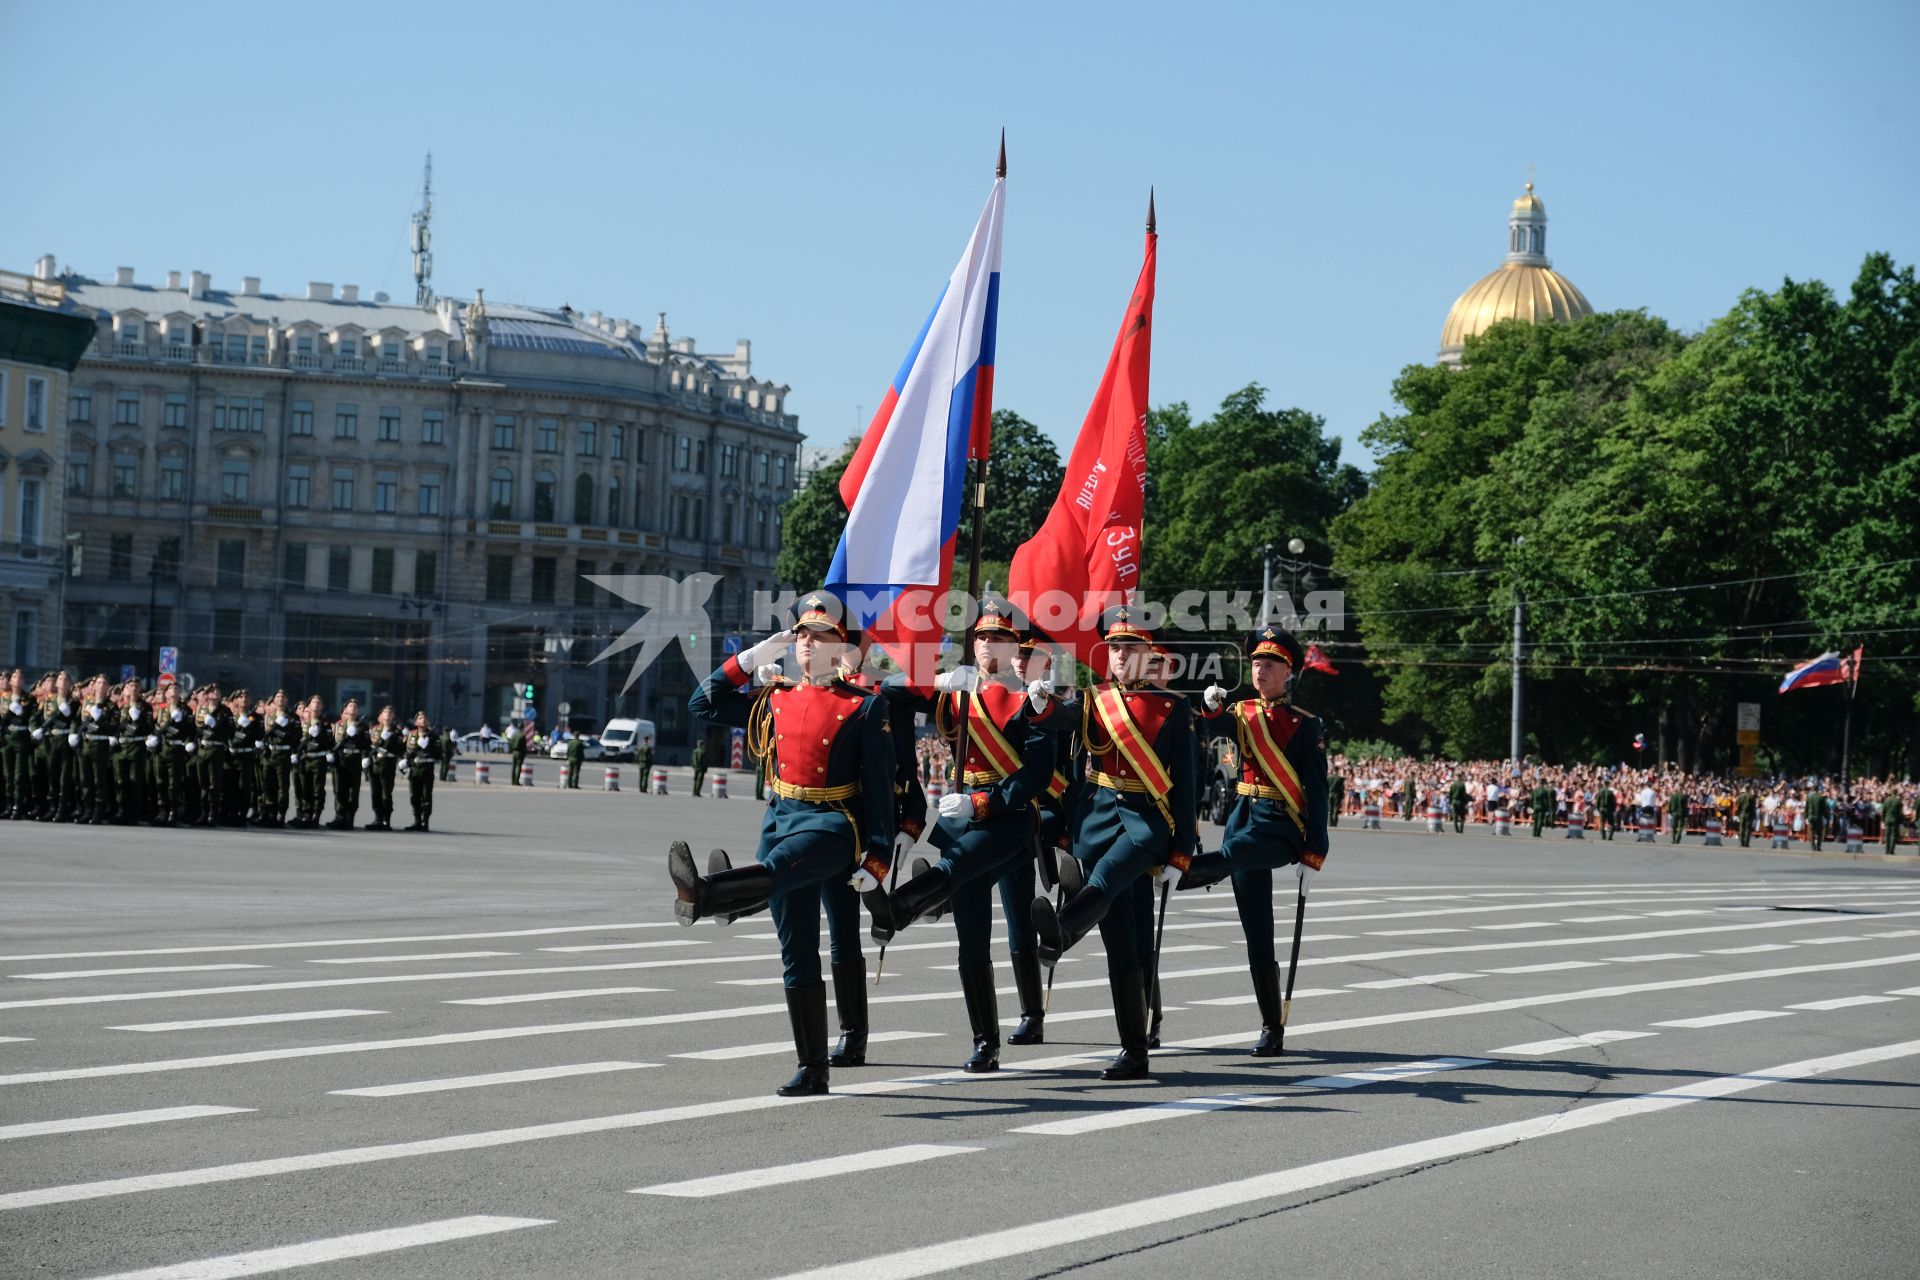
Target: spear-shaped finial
column 1000, row 169
column 1150, row 217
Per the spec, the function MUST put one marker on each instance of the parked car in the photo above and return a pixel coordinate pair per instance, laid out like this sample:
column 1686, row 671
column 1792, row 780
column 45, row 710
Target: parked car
column 622, row 737
column 594, row 751
column 1220, row 774
column 472, row 744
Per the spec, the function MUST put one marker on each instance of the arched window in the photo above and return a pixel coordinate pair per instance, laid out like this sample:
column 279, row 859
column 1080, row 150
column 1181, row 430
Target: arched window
column 500, row 494
column 583, row 500
column 543, row 495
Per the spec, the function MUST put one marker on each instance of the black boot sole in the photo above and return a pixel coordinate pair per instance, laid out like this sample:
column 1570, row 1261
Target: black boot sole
column 686, row 882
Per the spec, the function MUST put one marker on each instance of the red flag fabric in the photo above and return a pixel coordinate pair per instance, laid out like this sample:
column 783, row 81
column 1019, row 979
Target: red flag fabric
column 1086, row 556
column 1318, row 661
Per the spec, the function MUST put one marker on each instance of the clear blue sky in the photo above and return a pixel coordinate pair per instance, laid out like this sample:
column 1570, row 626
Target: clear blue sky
column 805, row 175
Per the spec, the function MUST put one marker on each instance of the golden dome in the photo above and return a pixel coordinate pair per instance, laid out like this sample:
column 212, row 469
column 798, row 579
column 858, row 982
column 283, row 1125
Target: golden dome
column 1529, row 204
column 1513, row 291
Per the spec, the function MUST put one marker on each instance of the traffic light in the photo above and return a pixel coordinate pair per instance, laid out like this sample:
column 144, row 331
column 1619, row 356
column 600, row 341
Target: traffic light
column 527, row 691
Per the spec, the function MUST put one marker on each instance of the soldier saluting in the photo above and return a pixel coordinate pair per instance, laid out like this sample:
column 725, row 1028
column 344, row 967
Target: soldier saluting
column 1135, row 815
column 1279, row 814
column 830, row 767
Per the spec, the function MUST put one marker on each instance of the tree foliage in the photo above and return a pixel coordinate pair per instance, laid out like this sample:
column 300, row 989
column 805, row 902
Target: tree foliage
column 811, row 525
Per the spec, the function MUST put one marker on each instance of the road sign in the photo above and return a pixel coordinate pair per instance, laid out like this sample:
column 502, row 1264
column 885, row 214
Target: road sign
column 737, row 754
column 1747, row 717
column 566, row 709
column 126, row 672
column 169, row 660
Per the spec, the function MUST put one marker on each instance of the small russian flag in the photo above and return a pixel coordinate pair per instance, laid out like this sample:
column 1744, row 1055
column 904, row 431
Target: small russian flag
column 1829, row 668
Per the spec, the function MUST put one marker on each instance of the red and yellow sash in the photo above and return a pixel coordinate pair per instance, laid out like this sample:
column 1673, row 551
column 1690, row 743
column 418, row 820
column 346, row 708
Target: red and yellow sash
column 1267, row 755
column 1057, row 785
column 1110, row 704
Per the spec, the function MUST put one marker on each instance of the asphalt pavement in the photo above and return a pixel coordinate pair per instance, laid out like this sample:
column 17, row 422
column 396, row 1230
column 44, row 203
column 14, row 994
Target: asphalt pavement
column 489, row 1051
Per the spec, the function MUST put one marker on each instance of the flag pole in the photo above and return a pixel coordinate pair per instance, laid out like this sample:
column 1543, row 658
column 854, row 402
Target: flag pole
column 1846, row 727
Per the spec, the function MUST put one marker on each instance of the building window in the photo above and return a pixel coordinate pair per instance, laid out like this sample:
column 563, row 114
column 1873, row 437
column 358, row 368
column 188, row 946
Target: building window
column 126, row 475
column 759, row 526
column 429, row 495
column 760, row 461
column 383, row 571
column 299, row 485
column 728, row 530
column 386, row 492
column 433, row 428
column 613, row 503
column 126, row 410
column 173, row 478
column 36, row 404
column 303, row 348
column 500, row 495
column 543, row 487
column 293, row 566
column 29, row 525
column 339, row 568
column 342, row 489
column 617, row 442
column 393, row 347
column 729, row 460
column 583, row 500
column 346, row 422
column 700, row 457
column 588, row 436
column 680, row 515
column 166, row 558
column 639, row 501
column 683, row 453
column 80, row 405
column 256, row 415
column 236, row 348
column 235, row 479
column 426, row 572
column 390, row 424
column 119, row 556
column 220, row 415
column 582, row 589
column 499, row 579
column 257, row 348
column 23, row 638
column 80, row 474
column 503, row 430
column 346, row 346
column 301, row 424
column 700, row 530
column 232, row 563
column 227, row 637
column 545, row 576
column 780, row 471
column 547, row 436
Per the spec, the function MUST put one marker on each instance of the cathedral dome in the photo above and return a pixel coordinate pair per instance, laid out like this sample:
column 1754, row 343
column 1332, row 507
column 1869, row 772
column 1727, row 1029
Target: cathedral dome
column 1524, row 287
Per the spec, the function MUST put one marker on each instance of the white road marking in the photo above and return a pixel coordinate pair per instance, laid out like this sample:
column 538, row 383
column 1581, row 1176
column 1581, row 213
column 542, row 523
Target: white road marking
column 1724, row 1019
column 1408, row 933
column 1561, row 1045
column 258, row 1019
column 333, row 1249
column 1756, row 949
column 1303, row 994
column 491, row 1078
column 1013, row 1242
column 772, row 1047
column 1660, row 955
column 532, row 997
column 1556, row 967
column 1125, row 1116
column 443, row 955
column 774, row 981
column 805, row 1171
column 344, row 942
column 1600, row 919
column 1520, row 924
column 1906, row 991
column 1422, row 980
column 81, row 1124
column 1823, row 941
column 15, row 1039
column 631, row 946
column 1897, row 933
column 120, row 973
column 1683, row 911
column 1402, row 1071
column 1842, row 1002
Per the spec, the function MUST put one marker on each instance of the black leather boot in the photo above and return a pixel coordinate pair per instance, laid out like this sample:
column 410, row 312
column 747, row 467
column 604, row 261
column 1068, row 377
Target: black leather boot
column 1266, row 994
column 1208, row 869
column 1072, row 876
column 983, row 1014
column 1059, row 930
column 1026, row 979
column 850, row 1000
column 807, row 1011
column 1130, row 1016
column 718, row 861
column 922, row 897
column 697, row 896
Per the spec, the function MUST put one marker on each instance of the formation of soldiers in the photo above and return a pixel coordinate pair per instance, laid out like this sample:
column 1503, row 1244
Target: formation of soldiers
column 1076, row 806
column 100, row 753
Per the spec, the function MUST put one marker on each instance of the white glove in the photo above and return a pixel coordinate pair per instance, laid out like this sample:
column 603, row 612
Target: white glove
column 902, row 846
column 766, row 673
column 245, row 721
column 190, row 747
column 39, row 734
column 73, row 740
column 94, row 712
column 353, row 731
column 66, row 708
column 772, row 649
column 863, row 881
column 133, row 713
column 952, row 805
column 281, row 721
column 385, row 734
column 153, row 742
column 17, row 708
column 329, row 757
column 1168, row 875
column 1037, row 692
column 1215, row 697
column 313, row 731
column 176, row 715
column 1305, row 872
column 206, row 717
column 958, row 680
column 403, row 768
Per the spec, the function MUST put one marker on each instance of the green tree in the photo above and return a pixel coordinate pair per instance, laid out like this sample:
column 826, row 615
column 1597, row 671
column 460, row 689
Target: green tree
column 811, row 524
column 1021, row 486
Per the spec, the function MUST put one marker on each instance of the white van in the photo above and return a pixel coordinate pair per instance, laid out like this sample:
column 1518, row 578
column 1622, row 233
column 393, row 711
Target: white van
column 621, row 738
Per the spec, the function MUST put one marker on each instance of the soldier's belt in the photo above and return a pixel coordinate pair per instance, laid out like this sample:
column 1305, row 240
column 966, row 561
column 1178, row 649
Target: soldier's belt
column 284, row 750
column 1111, row 783
column 982, row 777
column 1261, row 791
column 814, row 795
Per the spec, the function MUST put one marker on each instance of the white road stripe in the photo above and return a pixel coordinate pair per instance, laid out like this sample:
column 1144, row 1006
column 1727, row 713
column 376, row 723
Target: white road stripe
column 333, row 1249
column 1423, row 980
column 1724, row 1019
column 1906, row 991
column 82, row 1124
column 1646, row 959
column 121, row 973
column 202, row 1024
column 1897, row 933
column 531, row 997
column 344, row 942
column 1600, row 919
column 1520, row 924
column 346, row 1157
column 1824, row 941
column 1303, row 994
column 805, row 1171
column 631, row 946
column 1556, row 967
column 1408, row 933
column 1842, row 1002
column 1754, row 950
column 1402, row 1071
column 978, row 1250
column 775, row 981
column 772, row 1047
column 1683, row 911
column 446, row 1083
column 443, row 955
column 15, row 1039
column 1565, row 1043
column 1123, row 1117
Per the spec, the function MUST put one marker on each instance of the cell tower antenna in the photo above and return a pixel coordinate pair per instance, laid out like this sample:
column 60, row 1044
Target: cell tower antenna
column 423, row 241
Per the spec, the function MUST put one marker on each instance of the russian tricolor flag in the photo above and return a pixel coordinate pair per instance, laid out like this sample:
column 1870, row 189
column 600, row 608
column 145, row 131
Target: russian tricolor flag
column 1829, row 668
column 906, row 484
